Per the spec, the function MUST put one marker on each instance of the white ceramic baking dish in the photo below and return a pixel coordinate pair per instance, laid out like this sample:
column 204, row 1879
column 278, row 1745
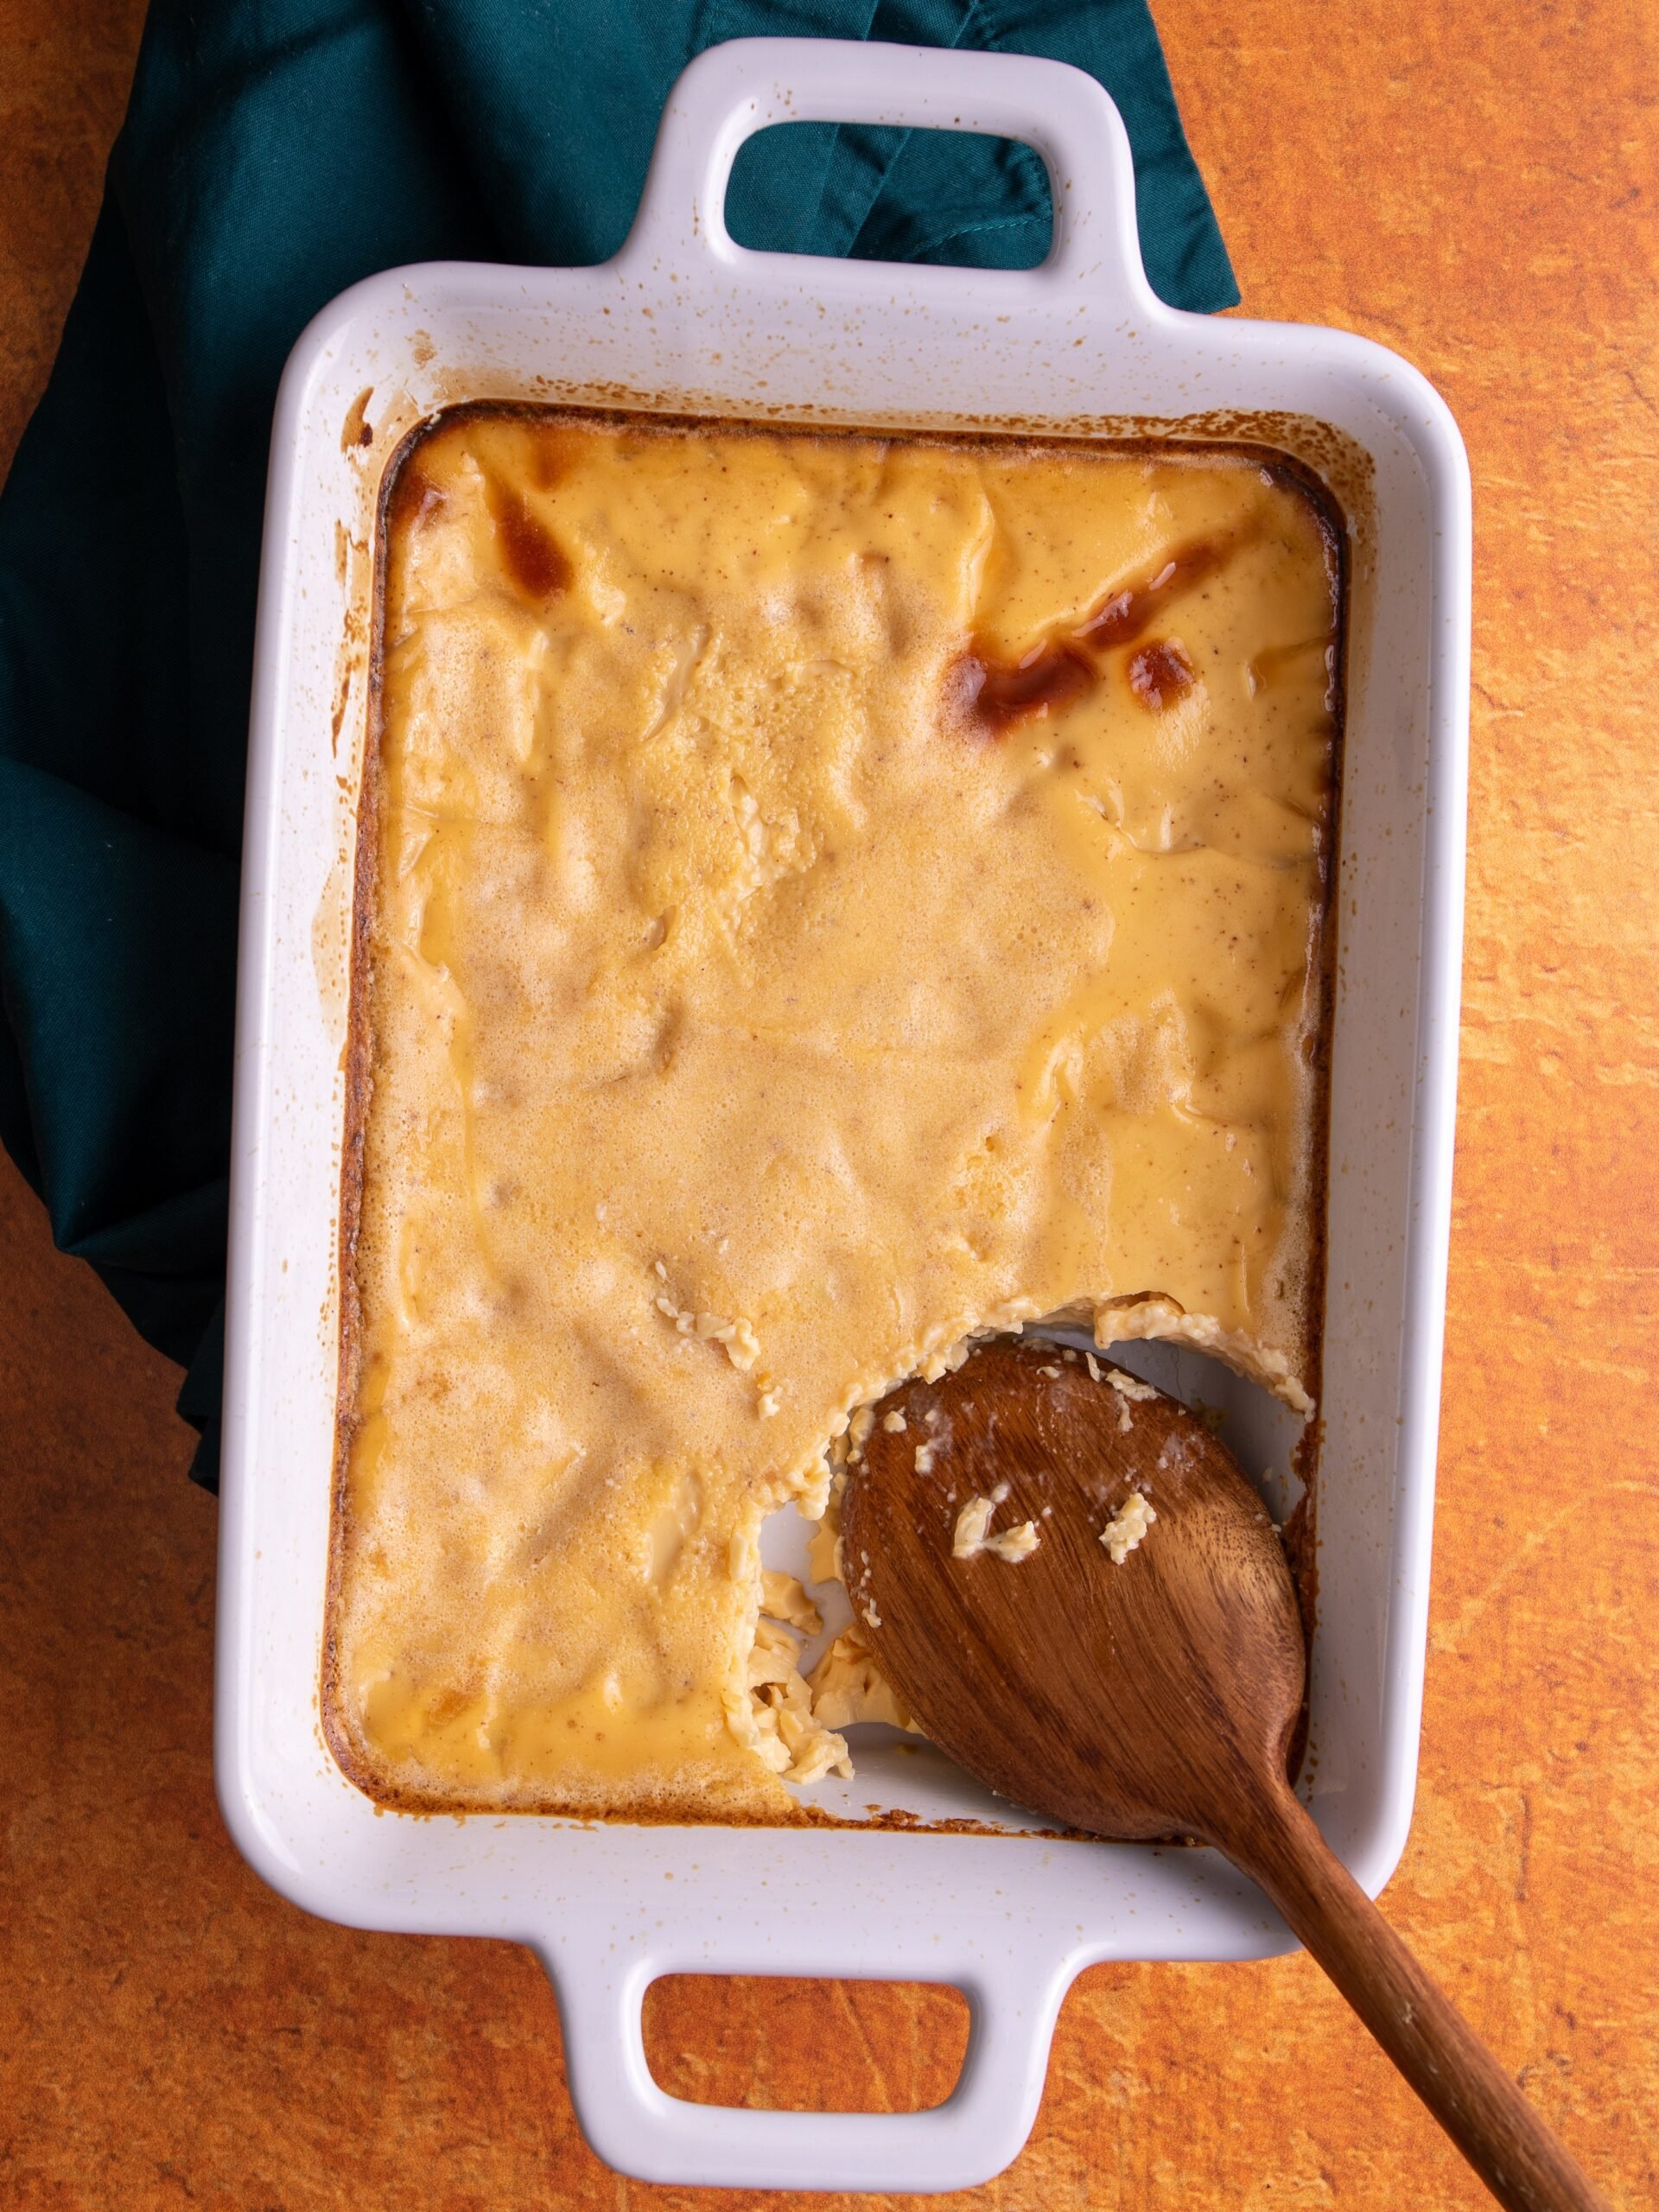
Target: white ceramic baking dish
column 682, row 319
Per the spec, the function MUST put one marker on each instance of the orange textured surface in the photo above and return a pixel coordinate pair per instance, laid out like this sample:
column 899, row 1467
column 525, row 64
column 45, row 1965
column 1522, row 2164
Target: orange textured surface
column 1475, row 186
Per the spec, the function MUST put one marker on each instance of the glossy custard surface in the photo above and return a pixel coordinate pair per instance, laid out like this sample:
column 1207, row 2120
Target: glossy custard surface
column 827, row 896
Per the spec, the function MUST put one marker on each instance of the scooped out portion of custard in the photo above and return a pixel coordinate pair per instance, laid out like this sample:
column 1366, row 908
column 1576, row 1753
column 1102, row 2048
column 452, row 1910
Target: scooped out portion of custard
column 824, row 897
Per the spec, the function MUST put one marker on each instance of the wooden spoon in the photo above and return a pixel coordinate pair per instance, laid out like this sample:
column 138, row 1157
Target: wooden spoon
column 1155, row 1697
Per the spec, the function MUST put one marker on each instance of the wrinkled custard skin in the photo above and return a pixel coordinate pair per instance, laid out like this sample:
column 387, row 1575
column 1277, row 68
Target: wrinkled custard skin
column 764, row 982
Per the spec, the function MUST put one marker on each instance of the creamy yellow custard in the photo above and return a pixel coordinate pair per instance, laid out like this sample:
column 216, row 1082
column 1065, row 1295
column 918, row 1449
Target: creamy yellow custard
column 823, row 897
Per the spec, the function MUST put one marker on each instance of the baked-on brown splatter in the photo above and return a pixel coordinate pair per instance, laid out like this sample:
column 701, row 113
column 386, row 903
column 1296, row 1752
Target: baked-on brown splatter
column 357, row 430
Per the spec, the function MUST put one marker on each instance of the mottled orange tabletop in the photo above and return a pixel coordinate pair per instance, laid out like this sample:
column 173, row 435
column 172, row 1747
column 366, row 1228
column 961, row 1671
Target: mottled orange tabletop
column 1475, row 186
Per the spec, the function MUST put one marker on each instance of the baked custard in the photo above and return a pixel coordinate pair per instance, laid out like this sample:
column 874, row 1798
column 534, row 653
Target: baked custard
column 822, row 899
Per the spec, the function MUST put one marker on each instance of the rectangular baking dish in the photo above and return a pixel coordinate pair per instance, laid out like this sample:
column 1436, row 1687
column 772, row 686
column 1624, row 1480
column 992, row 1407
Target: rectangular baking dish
column 682, row 320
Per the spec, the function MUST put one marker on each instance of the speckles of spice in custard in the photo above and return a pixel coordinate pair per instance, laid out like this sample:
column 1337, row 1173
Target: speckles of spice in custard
column 831, row 895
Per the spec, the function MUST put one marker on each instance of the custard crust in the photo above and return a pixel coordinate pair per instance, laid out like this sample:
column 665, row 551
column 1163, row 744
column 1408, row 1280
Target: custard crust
column 820, row 898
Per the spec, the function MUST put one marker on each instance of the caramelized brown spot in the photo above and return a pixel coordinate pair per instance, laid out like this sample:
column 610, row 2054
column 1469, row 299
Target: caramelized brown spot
column 1127, row 614
column 1063, row 668
column 1160, row 674
column 530, row 553
column 1052, row 676
column 413, row 498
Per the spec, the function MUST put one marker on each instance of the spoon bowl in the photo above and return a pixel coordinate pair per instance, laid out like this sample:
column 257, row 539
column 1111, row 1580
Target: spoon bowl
column 1136, row 1698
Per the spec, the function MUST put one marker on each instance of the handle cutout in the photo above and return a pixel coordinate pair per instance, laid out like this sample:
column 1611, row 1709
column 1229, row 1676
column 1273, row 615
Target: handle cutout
column 775, row 2042
column 957, row 199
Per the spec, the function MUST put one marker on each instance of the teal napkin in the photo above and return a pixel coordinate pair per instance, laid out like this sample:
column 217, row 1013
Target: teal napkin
column 274, row 152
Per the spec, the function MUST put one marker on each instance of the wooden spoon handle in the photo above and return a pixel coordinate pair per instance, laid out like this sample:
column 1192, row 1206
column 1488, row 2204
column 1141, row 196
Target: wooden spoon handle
column 1517, row 2157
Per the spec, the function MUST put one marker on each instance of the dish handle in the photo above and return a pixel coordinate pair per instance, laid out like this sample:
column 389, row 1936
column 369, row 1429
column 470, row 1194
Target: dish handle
column 640, row 2129
column 732, row 90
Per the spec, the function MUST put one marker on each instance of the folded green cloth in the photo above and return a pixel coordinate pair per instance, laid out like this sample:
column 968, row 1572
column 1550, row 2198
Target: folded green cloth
column 275, row 151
